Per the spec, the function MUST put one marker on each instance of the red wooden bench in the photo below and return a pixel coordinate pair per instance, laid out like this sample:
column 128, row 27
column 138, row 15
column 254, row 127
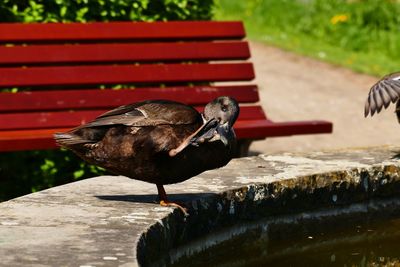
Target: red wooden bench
column 64, row 68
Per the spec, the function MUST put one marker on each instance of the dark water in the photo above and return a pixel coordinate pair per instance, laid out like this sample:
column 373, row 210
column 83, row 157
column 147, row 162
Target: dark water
column 369, row 244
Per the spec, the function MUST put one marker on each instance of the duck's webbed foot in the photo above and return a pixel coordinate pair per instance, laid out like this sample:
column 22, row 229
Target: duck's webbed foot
column 165, row 203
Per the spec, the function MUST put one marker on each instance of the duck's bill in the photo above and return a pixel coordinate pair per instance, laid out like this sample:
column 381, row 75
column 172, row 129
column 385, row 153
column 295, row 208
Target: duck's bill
column 208, row 132
column 211, row 131
column 205, row 133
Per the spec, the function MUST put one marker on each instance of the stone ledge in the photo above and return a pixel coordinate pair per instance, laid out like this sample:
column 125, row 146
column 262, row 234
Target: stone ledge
column 113, row 221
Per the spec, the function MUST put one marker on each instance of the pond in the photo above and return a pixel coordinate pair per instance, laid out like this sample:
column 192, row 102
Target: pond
column 362, row 240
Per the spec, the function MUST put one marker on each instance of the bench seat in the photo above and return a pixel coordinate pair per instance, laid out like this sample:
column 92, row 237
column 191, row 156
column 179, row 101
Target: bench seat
column 67, row 74
column 253, row 129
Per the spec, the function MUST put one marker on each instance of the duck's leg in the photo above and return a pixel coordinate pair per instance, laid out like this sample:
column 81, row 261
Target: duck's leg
column 164, row 200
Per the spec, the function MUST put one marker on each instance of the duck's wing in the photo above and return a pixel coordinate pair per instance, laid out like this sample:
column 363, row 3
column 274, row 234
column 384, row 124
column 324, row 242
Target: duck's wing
column 382, row 93
column 148, row 113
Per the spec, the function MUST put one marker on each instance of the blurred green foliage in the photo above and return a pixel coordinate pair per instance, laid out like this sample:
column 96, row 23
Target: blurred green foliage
column 361, row 34
column 29, row 171
column 104, row 10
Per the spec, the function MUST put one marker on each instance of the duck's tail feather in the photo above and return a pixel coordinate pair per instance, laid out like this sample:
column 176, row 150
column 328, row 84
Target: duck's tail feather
column 69, row 139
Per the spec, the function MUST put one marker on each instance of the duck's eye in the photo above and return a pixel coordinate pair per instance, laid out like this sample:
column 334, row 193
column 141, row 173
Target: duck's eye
column 224, row 108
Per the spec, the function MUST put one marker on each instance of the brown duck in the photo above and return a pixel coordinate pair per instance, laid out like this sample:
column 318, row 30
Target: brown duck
column 158, row 141
column 382, row 93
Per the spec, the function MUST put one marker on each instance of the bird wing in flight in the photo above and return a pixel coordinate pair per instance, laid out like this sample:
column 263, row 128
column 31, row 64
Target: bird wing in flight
column 382, row 93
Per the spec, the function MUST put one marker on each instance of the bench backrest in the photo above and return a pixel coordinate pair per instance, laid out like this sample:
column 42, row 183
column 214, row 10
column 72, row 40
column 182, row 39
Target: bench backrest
column 66, row 67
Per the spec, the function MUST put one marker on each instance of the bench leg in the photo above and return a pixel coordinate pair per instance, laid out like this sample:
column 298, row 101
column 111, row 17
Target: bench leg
column 242, row 148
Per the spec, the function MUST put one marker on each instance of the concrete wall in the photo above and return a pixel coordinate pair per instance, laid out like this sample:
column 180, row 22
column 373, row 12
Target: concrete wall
column 114, row 221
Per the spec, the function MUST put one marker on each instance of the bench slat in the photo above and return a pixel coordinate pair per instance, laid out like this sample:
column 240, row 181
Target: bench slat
column 97, row 31
column 61, row 119
column 106, row 74
column 100, row 53
column 260, row 129
column 28, row 139
column 107, row 99
column 255, row 129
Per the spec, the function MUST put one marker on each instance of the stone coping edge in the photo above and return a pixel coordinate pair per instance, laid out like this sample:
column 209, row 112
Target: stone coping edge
column 332, row 190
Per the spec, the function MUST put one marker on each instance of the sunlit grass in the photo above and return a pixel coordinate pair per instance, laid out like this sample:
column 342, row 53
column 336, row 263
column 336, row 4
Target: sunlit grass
column 361, row 35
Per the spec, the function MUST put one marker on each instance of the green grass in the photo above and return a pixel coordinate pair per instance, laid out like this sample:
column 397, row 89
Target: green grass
column 362, row 35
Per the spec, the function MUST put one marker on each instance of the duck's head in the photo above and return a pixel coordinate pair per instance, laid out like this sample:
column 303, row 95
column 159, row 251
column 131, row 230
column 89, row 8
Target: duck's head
column 219, row 117
column 224, row 109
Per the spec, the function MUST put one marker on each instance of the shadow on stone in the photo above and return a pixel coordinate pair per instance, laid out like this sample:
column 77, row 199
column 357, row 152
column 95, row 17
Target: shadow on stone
column 396, row 155
column 254, row 153
column 153, row 198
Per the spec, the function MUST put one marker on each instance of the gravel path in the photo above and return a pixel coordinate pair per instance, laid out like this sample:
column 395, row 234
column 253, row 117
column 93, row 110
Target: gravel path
column 293, row 87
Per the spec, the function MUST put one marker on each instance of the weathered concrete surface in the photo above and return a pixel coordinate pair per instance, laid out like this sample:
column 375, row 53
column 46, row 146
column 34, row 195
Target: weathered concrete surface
column 113, row 221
